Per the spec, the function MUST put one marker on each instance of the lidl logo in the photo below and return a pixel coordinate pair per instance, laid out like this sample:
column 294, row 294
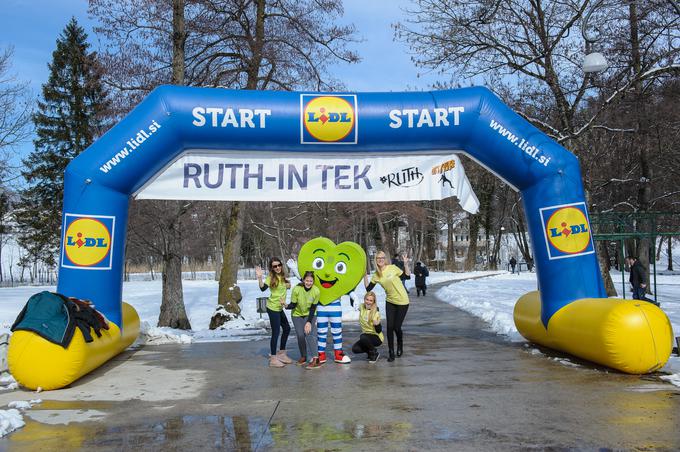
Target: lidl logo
column 567, row 230
column 328, row 119
column 87, row 242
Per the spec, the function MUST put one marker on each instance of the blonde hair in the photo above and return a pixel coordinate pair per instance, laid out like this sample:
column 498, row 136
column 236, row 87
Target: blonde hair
column 387, row 262
column 374, row 308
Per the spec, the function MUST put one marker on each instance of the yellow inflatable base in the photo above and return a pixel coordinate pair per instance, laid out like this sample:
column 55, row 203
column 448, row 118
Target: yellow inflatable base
column 632, row 336
column 38, row 363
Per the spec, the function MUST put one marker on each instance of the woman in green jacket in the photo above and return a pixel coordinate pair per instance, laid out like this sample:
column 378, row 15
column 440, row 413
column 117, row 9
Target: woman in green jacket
column 303, row 302
column 278, row 287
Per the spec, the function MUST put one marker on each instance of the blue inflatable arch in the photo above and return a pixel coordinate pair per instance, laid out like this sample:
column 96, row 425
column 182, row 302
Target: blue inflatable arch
column 569, row 312
column 100, row 181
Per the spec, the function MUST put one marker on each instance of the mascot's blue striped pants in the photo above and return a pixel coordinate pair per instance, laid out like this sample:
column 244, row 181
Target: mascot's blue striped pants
column 330, row 313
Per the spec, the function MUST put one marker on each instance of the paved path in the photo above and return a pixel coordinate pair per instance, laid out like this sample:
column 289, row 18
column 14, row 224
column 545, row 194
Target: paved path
column 458, row 387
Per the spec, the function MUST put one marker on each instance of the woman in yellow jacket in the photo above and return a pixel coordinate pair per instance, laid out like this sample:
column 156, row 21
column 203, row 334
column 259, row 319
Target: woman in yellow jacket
column 391, row 277
column 371, row 329
column 278, row 287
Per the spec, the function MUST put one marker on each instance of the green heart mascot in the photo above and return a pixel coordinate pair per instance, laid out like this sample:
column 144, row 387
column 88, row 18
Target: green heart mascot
column 338, row 269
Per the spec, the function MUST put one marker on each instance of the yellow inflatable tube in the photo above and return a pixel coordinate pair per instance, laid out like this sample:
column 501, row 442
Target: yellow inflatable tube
column 632, row 336
column 37, row 363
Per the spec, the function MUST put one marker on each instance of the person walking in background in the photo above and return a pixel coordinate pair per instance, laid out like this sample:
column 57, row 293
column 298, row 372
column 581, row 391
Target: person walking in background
column 371, row 329
column 389, row 277
column 638, row 278
column 304, row 301
column 278, row 287
column 513, row 263
column 421, row 273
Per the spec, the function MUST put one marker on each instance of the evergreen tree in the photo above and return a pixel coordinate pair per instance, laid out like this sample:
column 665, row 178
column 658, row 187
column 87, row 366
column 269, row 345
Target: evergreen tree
column 69, row 117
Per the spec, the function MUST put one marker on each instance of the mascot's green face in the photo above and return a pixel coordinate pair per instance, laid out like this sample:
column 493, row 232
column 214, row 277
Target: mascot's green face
column 337, row 268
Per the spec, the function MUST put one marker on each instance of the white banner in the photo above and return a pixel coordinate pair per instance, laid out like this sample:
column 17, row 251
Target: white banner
column 287, row 176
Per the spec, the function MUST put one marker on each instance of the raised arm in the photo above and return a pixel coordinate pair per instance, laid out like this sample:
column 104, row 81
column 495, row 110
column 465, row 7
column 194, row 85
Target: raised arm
column 407, row 271
column 367, row 284
column 260, row 282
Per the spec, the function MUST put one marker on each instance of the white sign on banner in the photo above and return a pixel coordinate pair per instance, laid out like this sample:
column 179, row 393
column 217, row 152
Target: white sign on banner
column 287, row 176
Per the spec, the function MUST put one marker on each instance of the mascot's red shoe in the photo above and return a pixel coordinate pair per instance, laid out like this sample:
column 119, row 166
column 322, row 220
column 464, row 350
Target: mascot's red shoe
column 322, row 357
column 341, row 358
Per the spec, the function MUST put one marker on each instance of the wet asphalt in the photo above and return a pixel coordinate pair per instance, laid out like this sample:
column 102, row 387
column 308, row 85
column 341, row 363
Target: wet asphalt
column 457, row 387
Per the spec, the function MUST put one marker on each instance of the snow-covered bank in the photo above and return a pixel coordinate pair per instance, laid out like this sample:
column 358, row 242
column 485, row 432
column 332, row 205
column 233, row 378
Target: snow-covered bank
column 493, row 300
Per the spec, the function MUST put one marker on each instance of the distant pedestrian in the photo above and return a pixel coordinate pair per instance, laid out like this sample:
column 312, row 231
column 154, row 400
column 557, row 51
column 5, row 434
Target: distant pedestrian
column 513, row 263
column 421, row 273
column 371, row 330
column 638, row 278
column 278, row 287
column 304, row 301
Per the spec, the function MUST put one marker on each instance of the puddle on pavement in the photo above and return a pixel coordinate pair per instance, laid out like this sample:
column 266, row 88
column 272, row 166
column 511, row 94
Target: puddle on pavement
column 179, row 433
column 312, row 434
column 241, row 433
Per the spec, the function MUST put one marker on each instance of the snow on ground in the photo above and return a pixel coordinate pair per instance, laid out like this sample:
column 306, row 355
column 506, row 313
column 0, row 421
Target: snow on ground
column 493, row 300
column 200, row 300
column 12, row 419
column 7, row 382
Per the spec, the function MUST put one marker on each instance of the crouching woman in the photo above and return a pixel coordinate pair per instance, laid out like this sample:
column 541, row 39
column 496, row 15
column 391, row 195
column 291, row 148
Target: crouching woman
column 371, row 329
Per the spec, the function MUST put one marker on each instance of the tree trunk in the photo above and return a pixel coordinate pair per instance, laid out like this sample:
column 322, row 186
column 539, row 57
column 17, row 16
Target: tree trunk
column 421, row 242
column 385, row 242
column 645, row 187
column 234, row 234
column 179, row 37
column 471, row 258
column 499, row 234
column 450, row 254
column 521, row 238
column 173, row 313
column 659, row 248
column 219, row 253
column 230, row 259
column 149, row 261
column 670, row 253
column 603, row 260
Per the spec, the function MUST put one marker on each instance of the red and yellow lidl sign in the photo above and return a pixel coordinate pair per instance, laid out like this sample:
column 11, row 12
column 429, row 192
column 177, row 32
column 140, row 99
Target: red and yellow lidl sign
column 328, row 119
column 567, row 230
column 87, row 242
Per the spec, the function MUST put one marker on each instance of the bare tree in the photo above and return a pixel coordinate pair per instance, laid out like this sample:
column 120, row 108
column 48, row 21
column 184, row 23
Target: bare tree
column 537, row 43
column 240, row 44
column 163, row 25
column 15, row 114
column 15, row 128
column 265, row 45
